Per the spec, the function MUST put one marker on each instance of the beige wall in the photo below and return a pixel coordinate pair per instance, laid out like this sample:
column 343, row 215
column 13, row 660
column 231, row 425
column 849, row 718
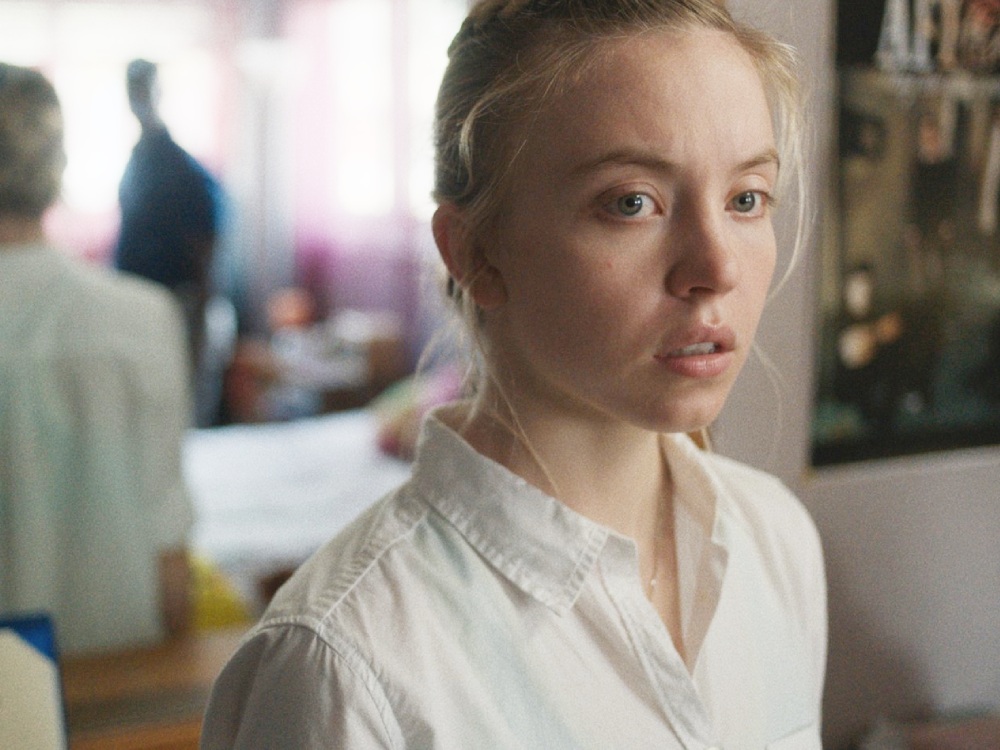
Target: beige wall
column 912, row 545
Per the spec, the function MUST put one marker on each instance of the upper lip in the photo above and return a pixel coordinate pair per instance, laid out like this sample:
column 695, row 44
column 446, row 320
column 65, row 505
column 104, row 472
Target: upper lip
column 721, row 336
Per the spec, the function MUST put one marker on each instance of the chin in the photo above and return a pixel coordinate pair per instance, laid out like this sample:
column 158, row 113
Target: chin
column 687, row 415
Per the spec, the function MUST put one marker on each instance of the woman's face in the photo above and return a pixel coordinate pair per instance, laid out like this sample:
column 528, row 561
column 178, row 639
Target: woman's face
column 636, row 250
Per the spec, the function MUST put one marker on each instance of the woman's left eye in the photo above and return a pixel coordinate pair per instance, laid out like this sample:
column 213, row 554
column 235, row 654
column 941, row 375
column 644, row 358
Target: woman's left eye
column 749, row 202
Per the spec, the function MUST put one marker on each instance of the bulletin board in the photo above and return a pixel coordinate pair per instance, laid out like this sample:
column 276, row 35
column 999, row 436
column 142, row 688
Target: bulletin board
column 909, row 346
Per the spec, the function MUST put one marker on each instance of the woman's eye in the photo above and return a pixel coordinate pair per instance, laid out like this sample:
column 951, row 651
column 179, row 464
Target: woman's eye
column 633, row 204
column 749, row 202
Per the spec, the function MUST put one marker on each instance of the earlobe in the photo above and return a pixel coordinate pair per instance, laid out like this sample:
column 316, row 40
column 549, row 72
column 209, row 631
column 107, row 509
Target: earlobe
column 487, row 287
column 465, row 260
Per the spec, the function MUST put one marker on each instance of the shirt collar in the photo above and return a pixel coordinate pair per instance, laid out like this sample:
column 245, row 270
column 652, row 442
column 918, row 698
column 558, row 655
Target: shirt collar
column 697, row 491
column 538, row 543
column 701, row 513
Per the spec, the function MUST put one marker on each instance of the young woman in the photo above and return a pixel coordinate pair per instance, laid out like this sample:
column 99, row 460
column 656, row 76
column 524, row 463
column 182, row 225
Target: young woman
column 566, row 568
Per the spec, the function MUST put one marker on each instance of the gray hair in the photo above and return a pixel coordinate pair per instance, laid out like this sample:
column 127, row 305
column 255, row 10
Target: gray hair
column 32, row 158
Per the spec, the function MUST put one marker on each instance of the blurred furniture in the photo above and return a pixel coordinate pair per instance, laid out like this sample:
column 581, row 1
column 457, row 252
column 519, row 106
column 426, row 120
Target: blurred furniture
column 146, row 699
column 970, row 731
column 303, row 370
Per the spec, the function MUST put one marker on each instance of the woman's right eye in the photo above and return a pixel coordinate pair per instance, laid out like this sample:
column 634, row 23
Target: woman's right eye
column 632, row 205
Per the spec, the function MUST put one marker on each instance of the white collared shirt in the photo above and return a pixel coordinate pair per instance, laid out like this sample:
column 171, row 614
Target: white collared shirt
column 471, row 610
column 94, row 401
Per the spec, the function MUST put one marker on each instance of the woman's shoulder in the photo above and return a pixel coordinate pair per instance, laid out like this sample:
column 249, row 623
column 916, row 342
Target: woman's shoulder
column 358, row 561
column 775, row 521
column 782, row 532
column 118, row 306
column 758, row 496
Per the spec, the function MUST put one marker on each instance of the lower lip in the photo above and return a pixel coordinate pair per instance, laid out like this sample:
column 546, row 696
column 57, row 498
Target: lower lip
column 698, row 365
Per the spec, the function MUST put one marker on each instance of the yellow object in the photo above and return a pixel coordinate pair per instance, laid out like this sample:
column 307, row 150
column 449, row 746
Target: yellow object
column 217, row 604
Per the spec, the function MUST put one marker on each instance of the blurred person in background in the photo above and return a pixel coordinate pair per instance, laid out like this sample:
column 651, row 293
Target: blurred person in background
column 171, row 209
column 94, row 401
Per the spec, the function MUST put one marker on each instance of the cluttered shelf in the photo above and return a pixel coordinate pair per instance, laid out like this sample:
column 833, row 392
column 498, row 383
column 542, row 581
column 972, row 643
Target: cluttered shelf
column 304, row 367
column 953, row 85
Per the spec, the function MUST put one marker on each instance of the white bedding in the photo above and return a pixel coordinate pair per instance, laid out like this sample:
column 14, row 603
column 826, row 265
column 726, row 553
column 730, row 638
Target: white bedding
column 266, row 496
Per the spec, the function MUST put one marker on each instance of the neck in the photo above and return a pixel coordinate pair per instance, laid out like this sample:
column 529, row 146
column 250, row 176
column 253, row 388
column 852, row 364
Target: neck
column 151, row 123
column 608, row 471
column 20, row 230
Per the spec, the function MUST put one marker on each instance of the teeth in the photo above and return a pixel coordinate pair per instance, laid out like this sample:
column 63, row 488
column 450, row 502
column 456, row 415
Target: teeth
column 696, row 349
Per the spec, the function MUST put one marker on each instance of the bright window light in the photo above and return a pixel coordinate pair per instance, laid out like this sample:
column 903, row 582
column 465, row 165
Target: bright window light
column 25, row 33
column 359, row 100
column 432, row 26
column 363, row 158
column 384, row 61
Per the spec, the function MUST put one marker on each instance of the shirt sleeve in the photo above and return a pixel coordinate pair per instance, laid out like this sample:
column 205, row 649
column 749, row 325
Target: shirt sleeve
column 288, row 687
column 816, row 595
column 799, row 547
column 789, row 542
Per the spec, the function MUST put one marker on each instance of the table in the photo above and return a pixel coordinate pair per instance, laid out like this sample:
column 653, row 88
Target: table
column 148, row 699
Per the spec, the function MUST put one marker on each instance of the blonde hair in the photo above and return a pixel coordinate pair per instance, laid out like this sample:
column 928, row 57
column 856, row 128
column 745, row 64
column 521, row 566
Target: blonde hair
column 32, row 158
column 511, row 56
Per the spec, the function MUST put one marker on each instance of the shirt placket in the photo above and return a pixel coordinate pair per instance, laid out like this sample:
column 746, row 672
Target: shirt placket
column 668, row 676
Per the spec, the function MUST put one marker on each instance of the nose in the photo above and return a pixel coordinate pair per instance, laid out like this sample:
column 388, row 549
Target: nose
column 703, row 257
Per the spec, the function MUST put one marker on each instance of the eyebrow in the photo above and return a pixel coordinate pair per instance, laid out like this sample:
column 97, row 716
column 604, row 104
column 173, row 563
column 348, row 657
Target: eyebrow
column 769, row 156
column 655, row 163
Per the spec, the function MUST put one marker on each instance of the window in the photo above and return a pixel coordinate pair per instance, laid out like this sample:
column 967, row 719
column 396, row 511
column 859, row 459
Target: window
column 368, row 150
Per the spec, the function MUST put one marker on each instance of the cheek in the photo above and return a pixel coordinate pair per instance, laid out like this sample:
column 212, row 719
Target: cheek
column 760, row 260
column 757, row 289
column 578, row 313
column 560, row 279
column 762, row 276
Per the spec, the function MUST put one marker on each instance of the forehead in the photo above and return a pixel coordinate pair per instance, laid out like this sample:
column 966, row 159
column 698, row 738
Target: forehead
column 681, row 94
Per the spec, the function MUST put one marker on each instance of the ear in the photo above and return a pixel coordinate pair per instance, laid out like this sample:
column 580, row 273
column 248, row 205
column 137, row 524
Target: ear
column 465, row 260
